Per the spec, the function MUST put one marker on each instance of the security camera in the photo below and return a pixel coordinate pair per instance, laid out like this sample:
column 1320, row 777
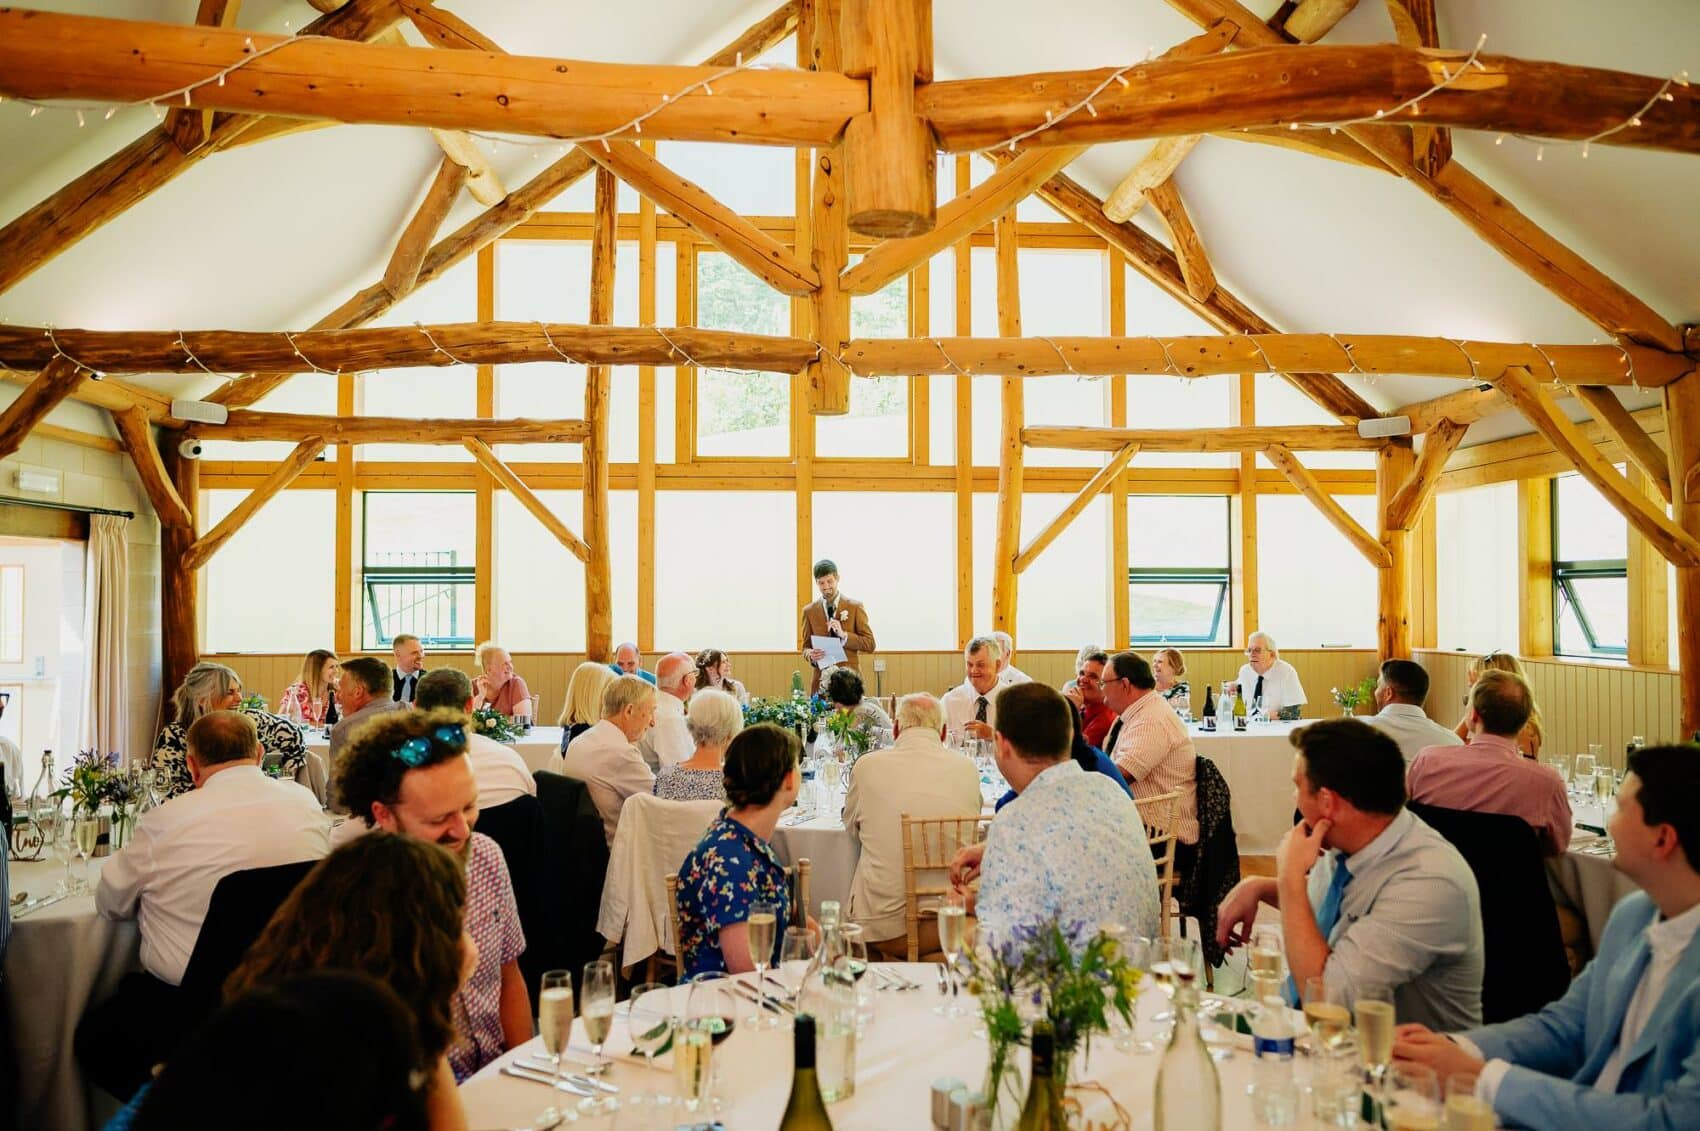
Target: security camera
column 190, row 448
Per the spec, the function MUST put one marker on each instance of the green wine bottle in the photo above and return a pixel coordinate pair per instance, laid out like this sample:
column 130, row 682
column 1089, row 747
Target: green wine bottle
column 1043, row 1110
column 804, row 1111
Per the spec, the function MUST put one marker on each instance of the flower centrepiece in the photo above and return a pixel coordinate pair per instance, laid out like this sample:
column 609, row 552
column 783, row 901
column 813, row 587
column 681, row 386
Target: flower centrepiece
column 492, row 724
column 1350, row 698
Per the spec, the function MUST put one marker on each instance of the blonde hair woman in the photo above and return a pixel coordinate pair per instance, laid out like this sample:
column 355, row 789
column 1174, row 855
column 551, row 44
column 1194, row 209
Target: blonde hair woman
column 1168, row 667
column 1530, row 738
column 583, row 708
column 312, row 697
column 213, row 687
column 498, row 686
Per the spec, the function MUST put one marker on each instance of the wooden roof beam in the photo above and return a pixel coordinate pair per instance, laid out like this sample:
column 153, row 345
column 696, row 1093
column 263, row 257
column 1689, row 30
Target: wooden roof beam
column 137, row 438
column 1466, row 406
column 1223, row 310
column 246, row 424
column 1249, row 438
column 1312, row 488
column 213, row 540
column 495, row 343
column 58, row 379
column 1643, row 451
column 1196, row 271
column 1542, row 257
column 187, row 126
column 517, row 207
column 526, row 497
column 1313, row 19
column 1075, row 506
column 1416, row 25
column 750, row 247
column 1537, row 406
column 148, row 163
column 409, row 255
column 1407, row 504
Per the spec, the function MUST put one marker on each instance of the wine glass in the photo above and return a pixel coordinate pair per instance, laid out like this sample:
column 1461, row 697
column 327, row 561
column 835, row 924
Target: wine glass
column 649, row 1023
column 1413, row 1098
column 555, row 1015
column 854, row 939
column 1561, row 765
column 1325, row 1012
column 87, row 832
column 596, row 1010
column 1266, row 962
column 1582, row 777
column 1337, row 1082
column 795, row 954
column 764, row 917
column 953, row 926
column 1172, row 960
column 1464, row 1112
column 1375, row 1017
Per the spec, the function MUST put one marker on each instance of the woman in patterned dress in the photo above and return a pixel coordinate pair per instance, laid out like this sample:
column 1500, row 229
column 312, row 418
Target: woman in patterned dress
column 313, row 696
column 734, row 866
column 714, row 720
column 214, row 687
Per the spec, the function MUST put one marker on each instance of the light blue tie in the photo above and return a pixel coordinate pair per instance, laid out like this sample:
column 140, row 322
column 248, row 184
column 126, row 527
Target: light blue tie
column 1326, row 916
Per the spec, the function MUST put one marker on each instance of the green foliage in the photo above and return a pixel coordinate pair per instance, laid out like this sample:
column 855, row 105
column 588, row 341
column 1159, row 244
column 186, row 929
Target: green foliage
column 848, row 733
column 491, row 723
column 1351, row 697
column 798, row 712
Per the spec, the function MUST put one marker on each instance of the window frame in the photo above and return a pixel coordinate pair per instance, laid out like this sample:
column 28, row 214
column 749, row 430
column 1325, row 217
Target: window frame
column 691, row 415
column 1221, row 576
column 1565, row 572
column 429, row 573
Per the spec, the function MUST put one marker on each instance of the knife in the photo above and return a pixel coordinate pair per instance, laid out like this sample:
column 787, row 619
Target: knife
column 522, row 1073
column 540, row 1064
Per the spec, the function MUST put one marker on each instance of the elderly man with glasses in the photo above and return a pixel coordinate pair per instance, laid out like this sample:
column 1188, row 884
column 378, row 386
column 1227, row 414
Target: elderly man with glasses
column 1086, row 691
column 1268, row 681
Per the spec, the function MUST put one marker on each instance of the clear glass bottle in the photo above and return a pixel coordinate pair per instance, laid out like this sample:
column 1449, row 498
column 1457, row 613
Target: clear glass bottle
column 828, row 993
column 1189, row 1093
column 1274, row 1089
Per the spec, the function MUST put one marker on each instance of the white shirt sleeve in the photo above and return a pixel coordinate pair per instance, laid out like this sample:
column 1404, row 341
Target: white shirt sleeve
column 124, row 874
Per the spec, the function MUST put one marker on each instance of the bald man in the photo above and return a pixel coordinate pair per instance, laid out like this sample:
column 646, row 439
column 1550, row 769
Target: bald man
column 668, row 741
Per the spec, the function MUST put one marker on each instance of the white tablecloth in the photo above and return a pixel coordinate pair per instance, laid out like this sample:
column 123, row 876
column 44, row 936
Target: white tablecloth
column 1257, row 764
column 536, row 746
column 62, row 958
column 1586, row 880
column 907, row 1047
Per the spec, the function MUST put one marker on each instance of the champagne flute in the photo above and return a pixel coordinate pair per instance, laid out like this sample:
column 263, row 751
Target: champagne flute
column 953, row 926
column 693, row 1063
column 763, row 920
column 596, row 1010
column 1374, row 1011
column 1464, row 1112
column 649, row 1023
column 87, row 831
column 1266, row 962
column 1413, row 1100
column 1325, row 1012
column 711, row 1012
column 555, row 1015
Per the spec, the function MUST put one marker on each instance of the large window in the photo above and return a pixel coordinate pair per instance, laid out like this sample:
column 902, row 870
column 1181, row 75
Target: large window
column 11, row 614
column 1475, row 568
column 1315, row 590
column 262, row 597
column 1590, row 576
column 420, row 569
column 741, row 414
column 877, row 425
column 1178, row 567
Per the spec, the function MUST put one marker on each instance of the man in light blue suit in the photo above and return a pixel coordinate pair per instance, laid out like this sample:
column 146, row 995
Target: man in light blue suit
column 1621, row 1049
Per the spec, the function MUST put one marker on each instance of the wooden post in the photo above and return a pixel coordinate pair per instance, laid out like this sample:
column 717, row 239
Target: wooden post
column 646, row 429
column 890, row 157
column 1120, row 615
column 343, row 632
column 598, row 571
column 1682, row 434
column 179, row 614
column 828, row 379
column 964, row 294
column 1649, row 588
column 1393, row 466
column 1242, row 523
column 484, row 497
column 1534, row 567
column 1011, row 461
column 803, row 324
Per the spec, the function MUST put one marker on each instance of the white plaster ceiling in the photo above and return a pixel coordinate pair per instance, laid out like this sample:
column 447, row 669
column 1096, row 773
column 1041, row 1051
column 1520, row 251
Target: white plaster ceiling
column 273, row 235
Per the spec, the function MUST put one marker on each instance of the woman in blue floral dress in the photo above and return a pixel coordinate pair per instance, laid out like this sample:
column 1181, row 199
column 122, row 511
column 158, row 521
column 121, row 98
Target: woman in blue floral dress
column 734, row 865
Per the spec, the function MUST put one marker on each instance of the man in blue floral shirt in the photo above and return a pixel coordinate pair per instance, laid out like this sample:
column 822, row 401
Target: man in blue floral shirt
column 734, row 866
column 1070, row 847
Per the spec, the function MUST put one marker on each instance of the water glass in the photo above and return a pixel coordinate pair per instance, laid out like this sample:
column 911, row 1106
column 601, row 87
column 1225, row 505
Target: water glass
column 649, row 1023
column 795, row 954
column 1582, row 776
column 855, row 939
column 1413, row 1098
column 1561, row 764
column 1337, row 1082
column 1464, row 1112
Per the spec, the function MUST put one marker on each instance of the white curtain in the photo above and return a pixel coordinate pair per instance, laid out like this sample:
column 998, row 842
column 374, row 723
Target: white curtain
column 106, row 633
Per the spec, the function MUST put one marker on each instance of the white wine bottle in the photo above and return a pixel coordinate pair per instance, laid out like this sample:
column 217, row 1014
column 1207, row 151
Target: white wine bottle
column 805, row 1110
column 1043, row 1110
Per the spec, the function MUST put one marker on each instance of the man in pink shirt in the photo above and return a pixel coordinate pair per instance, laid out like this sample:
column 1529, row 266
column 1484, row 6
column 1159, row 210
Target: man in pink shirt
column 1488, row 774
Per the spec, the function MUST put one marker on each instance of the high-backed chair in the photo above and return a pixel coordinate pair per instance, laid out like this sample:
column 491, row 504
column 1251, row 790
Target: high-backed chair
column 575, row 867
column 1157, row 814
column 1523, row 946
column 242, row 904
column 929, row 843
column 517, row 827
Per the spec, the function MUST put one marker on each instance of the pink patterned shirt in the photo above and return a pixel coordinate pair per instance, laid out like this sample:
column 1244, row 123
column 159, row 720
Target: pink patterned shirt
column 492, row 919
column 1489, row 775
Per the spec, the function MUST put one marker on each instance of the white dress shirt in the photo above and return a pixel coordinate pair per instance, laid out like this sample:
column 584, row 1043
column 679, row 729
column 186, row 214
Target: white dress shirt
column 501, row 773
column 1666, row 939
column 237, row 819
column 961, row 704
column 610, row 766
column 916, row 775
column 1281, row 687
column 1013, row 675
column 1406, row 725
column 668, row 742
